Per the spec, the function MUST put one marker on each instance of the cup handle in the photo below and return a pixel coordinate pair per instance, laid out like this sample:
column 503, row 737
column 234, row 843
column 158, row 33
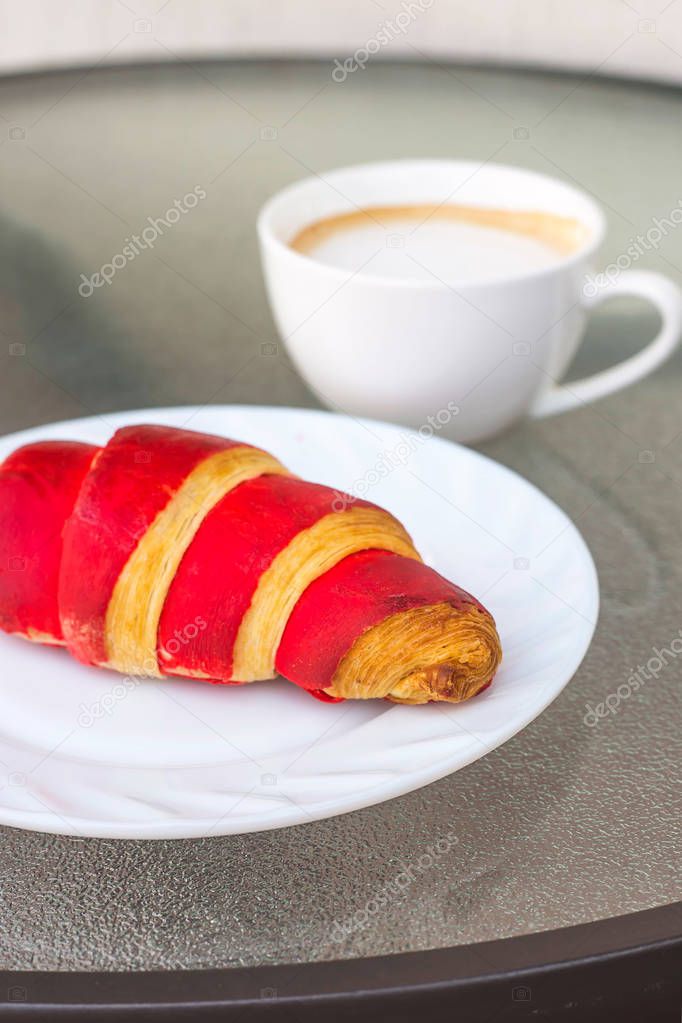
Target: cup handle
column 667, row 298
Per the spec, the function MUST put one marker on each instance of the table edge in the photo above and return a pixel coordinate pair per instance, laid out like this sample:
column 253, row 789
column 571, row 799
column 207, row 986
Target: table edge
column 625, row 962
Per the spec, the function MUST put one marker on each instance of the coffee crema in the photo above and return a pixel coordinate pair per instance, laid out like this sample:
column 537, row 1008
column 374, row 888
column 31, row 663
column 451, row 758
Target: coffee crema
column 447, row 242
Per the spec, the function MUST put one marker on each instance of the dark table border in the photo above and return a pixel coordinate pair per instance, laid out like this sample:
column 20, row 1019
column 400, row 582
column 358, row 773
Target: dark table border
column 624, row 968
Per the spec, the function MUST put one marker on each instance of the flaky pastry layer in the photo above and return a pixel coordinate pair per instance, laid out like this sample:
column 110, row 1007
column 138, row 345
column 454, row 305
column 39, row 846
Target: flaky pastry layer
column 308, row 556
column 133, row 613
column 435, row 653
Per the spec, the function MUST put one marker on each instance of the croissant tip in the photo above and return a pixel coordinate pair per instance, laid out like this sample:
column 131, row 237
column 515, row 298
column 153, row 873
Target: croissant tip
column 449, row 682
column 450, row 654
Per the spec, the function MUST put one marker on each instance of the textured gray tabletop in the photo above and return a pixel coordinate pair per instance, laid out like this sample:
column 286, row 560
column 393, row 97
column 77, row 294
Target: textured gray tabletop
column 564, row 824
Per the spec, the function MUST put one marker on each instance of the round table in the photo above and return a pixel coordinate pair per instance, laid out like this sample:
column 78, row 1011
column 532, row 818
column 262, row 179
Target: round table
column 559, row 897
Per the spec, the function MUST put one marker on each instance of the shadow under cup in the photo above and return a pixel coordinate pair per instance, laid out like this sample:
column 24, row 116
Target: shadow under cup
column 470, row 353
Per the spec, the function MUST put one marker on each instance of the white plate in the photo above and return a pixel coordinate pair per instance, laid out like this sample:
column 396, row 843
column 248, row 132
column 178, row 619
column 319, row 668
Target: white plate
column 84, row 751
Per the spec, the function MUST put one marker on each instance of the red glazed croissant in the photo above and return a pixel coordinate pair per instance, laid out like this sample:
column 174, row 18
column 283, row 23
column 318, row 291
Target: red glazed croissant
column 170, row 552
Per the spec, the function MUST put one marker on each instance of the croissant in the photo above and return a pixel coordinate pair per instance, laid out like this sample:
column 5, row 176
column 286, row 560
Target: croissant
column 174, row 553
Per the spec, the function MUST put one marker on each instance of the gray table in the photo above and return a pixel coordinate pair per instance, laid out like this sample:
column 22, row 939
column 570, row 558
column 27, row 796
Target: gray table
column 564, row 824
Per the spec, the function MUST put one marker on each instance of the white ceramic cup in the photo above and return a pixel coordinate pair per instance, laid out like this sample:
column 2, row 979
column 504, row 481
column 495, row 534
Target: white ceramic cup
column 489, row 351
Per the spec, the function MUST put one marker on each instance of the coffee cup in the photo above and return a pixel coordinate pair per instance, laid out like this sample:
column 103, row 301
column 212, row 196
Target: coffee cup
column 406, row 288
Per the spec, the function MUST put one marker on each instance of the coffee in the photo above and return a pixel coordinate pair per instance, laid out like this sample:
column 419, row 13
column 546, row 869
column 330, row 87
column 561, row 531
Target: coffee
column 447, row 243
